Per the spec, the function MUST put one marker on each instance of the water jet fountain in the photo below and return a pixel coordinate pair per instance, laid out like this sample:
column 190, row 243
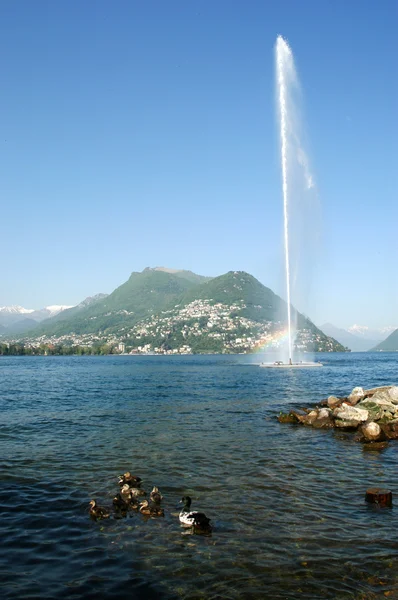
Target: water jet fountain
column 291, row 151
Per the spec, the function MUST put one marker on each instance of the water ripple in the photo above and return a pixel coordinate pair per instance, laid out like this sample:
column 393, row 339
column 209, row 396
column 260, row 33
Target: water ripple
column 287, row 503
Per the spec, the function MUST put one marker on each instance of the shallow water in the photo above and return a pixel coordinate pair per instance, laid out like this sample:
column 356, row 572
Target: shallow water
column 286, row 502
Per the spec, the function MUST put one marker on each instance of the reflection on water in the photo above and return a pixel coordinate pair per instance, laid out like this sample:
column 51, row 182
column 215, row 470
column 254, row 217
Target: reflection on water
column 286, row 503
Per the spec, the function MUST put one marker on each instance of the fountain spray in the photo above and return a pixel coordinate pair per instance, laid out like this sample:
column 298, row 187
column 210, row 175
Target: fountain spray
column 298, row 186
column 283, row 53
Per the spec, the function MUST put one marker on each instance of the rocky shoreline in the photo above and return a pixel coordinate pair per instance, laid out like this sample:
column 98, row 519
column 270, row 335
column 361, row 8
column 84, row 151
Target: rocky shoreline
column 371, row 414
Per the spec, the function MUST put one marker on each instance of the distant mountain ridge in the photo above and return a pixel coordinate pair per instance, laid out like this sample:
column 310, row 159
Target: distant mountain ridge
column 367, row 333
column 351, row 341
column 390, row 344
column 10, row 315
column 165, row 310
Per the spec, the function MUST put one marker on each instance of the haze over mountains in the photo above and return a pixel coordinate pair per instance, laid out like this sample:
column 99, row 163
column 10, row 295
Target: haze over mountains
column 18, row 318
column 162, row 308
column 358, row 338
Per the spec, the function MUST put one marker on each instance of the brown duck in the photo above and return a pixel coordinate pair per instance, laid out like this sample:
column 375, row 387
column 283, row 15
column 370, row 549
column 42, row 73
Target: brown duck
column 97, row 512
column 150, row 510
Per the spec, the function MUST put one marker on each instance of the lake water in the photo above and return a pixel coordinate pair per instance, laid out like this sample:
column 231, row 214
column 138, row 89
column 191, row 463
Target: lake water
column 286, row 502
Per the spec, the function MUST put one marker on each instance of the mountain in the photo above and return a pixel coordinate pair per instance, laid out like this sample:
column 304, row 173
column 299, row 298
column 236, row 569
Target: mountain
column 20, row 327
column 14, row 314
column 15, row 310
column 189, row 275
column 354, row 342
column 65, row 315
column 374, row 335
column 390, row 344
column 158, row 310
column 141, row 295
column 234, row 313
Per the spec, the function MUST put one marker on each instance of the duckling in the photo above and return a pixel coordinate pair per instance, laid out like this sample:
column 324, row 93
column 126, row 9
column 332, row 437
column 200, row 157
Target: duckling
column 195, row 519
column 150, row 511
column 120, row 504
column 97, row 512
column 127, row 492
column 155, row 495
column 130, row 479
column 133, row 503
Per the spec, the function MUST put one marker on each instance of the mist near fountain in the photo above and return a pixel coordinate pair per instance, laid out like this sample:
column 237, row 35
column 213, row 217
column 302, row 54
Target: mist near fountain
column 299, row 194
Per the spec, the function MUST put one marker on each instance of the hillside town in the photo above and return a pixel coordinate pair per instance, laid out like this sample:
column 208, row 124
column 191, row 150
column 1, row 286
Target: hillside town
column 200, row 326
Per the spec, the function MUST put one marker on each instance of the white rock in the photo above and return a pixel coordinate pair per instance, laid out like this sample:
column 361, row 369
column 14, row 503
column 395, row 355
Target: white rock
column 393, row 393
column 351, row 413
column 371, row 431
column 356, row 395
column 323, row 413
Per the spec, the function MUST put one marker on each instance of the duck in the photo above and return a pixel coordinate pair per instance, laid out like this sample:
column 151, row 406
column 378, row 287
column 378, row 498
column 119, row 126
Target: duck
column 150, row 511
column 155, row 496
column 133, row 503
column 195, row 519
column 130, row 479
column 97, row 512
column 120, row 503
column 128, row 492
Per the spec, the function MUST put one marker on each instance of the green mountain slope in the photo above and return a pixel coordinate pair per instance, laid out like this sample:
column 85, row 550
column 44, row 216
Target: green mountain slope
column 390, row 344
column 164, row 312
column 141, row 295
column 230, row 313
column 189, row 275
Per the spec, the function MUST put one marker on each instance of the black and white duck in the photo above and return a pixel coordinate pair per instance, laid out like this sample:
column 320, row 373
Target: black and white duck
column 150, row 510
column 155, row 496
column 130, row 479
column 193, row 518
column 97, row 512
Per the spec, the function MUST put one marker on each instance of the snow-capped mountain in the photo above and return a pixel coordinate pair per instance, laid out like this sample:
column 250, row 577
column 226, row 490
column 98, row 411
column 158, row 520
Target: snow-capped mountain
column 366, row 333
column 13, row 314
column 15, row 310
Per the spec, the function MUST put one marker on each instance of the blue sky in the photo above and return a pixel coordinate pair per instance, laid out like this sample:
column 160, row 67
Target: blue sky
column 139, row 134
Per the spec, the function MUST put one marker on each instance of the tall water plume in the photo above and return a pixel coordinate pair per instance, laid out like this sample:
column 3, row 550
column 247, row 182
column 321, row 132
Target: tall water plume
column 298, row 187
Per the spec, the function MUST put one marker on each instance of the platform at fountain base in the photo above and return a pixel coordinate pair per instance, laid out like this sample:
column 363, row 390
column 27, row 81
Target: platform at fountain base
column 291, row 365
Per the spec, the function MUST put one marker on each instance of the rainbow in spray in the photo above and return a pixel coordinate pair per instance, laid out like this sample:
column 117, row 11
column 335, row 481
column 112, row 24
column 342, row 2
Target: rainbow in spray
column 277, row 339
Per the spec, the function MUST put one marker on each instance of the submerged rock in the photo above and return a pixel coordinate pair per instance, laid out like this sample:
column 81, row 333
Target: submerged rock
column 287, row 418
column 374, row 446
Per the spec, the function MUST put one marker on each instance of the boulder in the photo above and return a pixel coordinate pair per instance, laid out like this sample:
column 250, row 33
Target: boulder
column 371, row 392
column 375, row 411
column 371, row 431
column 356, row 395
column 323, row 413
column 349, row 416
column 311, row 417
column 323, row 422
column 333, row 401
column 393, row 394
column 390, row 430
column 383, row 397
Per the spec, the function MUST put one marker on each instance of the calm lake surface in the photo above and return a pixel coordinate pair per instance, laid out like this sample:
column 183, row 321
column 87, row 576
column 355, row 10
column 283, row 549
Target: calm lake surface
column 286, row 502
